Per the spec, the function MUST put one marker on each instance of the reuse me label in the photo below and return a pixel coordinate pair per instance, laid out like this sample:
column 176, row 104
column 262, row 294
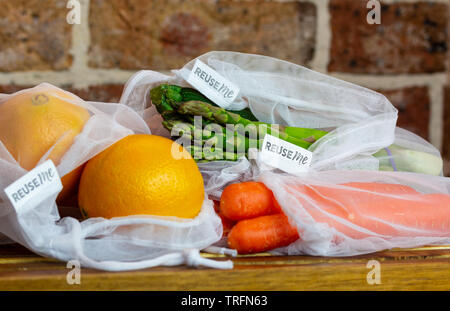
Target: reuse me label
column 34, row 187
column 284, row 155
column 212, row 84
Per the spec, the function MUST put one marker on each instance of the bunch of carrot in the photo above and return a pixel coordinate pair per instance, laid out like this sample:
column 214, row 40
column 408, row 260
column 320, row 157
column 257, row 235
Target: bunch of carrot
column 255, row 218
column 255, row 222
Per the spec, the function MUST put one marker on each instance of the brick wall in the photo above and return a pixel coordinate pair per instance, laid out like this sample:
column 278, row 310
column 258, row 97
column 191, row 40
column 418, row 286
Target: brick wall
column 406, row 57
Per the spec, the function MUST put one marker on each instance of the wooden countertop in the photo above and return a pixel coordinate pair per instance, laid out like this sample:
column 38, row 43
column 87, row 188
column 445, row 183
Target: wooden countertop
column 426, row 268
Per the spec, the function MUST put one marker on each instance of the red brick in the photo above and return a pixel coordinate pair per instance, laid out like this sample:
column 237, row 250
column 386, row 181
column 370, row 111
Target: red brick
column 413, row 106
column 34, row 35
column 109, row 93
column 12, row 88
column 159, row 35
column 411, row 38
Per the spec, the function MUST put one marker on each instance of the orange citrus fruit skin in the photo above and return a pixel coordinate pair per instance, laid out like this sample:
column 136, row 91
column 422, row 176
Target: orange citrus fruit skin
column 138, row 175
column 70, row 181
column 31, row 123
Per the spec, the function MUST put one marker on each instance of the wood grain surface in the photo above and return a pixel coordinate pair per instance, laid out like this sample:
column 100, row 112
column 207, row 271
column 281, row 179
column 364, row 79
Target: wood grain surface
column 426, row 268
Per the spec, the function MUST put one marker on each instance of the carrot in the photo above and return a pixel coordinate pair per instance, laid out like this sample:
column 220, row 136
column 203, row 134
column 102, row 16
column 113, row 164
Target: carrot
column 381, row 209
column 227, row 224
column 216, row 206
column 261, row 234
column 247, row 200
column 346, row 194
column 355, row 210
column 383, row 188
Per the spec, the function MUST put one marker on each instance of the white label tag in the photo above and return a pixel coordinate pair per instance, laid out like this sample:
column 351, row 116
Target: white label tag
column 284, row 155
column 212, row 84
column 34, row 187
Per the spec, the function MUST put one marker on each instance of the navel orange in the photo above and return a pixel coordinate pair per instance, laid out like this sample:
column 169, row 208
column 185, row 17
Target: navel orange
column 35, row 123
column 139, row 175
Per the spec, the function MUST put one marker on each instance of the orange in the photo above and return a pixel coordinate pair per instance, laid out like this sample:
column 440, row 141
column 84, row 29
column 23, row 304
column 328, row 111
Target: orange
column 139, row 175
column 38, row 122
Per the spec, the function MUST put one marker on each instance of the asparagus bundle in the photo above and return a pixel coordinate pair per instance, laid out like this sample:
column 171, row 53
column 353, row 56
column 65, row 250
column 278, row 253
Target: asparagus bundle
column 228, row 135
column 218, row 133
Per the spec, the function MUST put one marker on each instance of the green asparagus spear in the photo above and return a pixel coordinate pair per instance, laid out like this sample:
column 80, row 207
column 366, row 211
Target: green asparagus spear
column 164, row 97
column 202, row 154
column 184, row 128
column 212, row 135
column 310, row 135
column 176, row 94
column 188, row 94
column 232, row 140
column 223, row 117
column 168, row 101
column 168, row 98
column 213, row 113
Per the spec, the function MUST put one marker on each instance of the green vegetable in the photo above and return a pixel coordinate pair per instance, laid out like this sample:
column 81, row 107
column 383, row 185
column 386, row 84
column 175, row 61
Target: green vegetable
column 256, row 130
column 169, row 98
column 211, row 140
column 212, row 135
column 178, row 106
column 310, row 135
column 212, row 154
column 408, row 160
column 189, row 94
column 174, row 94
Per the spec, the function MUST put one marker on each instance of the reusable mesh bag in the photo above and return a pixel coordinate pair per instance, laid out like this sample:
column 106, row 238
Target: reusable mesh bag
column 346, row 213
column 122, row 243
column 278, row 92
column 361, row 123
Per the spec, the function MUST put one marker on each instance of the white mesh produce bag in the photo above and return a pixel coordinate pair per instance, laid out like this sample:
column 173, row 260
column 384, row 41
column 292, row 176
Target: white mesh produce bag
column 361, row 124
column 123, row 243
column 346, row 213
